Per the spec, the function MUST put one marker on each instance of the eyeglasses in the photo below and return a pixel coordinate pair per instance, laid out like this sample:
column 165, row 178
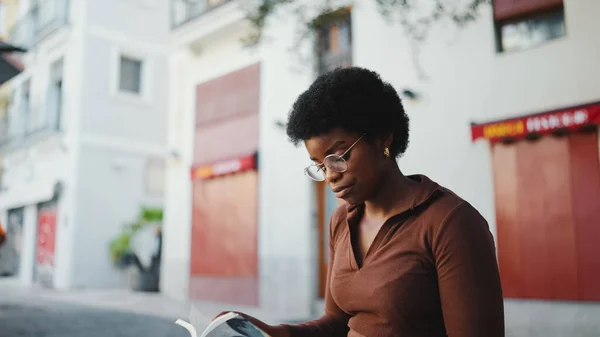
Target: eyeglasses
column 334, row 162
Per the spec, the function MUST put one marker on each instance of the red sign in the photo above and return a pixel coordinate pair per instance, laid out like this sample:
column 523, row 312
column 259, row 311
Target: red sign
column 46, row 235
column 545, row 123
column 224, row 167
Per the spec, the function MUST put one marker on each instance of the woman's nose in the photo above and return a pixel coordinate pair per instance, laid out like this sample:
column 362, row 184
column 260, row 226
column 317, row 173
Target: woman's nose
column 331, row 176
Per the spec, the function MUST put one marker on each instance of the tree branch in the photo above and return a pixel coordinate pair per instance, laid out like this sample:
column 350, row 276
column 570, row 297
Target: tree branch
column 417, row 17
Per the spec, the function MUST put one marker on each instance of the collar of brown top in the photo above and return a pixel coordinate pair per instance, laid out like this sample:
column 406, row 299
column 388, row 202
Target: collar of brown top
column 427, row 192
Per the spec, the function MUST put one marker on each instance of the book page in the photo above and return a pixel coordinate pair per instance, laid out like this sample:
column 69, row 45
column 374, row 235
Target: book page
column 236, row 326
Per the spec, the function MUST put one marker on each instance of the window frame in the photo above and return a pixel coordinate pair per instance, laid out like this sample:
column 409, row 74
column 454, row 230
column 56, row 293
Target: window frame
column 338, row 16
column 143, row 97
column 25, row 113
column 526, row 16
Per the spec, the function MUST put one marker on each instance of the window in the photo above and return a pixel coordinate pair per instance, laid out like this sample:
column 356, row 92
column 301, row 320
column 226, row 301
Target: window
column 130, row 75
column 55, row 95
column 334, row 41
column 155, row 176
column 2, row 173
column 4, row 126
column 183, row 11
column 12, row 117
column 529, row 24
column 25, row 108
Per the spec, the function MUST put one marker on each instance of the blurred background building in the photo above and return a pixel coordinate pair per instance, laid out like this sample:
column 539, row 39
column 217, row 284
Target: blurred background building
column 83, row 136
column 124, row 104
column 9, row 254
column 504, row 112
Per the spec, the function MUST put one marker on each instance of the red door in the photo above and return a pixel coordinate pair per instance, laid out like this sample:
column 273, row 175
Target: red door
column 46, row 239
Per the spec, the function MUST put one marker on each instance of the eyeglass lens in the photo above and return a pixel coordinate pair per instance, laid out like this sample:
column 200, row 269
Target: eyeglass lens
column 333, row 162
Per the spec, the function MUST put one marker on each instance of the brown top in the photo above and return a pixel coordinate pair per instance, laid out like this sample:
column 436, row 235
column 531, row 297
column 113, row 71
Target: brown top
column 431, row 271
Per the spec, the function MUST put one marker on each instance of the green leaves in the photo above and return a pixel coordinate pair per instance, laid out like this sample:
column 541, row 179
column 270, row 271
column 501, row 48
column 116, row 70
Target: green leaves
column 120, row 246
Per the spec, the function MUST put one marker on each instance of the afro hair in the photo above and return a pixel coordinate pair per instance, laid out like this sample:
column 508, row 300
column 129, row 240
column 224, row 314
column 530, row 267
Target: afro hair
column 353, row 99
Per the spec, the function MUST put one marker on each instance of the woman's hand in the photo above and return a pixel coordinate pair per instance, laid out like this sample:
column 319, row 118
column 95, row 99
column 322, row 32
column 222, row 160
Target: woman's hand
column 271, row 330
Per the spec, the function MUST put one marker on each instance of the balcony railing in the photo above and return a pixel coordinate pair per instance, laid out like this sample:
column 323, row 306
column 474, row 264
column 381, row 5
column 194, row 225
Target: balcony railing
column 15, row 132
column 39, row 22
column 184, row 11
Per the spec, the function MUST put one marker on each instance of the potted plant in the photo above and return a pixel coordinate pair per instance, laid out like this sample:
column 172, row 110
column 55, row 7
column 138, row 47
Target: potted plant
column 139, row 245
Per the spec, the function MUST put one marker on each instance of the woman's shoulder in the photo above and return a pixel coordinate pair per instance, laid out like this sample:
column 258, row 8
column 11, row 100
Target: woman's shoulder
column 439, row 206
column 436, row 200
column 450, row 213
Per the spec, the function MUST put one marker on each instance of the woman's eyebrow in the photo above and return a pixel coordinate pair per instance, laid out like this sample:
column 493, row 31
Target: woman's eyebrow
column 335, row 146
column 331, row 149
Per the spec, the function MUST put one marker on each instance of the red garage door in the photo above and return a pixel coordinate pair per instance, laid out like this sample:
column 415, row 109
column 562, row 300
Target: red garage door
column 547, row 195
column 224, row 253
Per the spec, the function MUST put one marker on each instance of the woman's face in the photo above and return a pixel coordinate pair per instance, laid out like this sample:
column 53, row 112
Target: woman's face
column 366, row 164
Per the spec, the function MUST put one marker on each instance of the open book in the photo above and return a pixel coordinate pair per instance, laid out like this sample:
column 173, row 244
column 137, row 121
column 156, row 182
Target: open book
column 227, row 325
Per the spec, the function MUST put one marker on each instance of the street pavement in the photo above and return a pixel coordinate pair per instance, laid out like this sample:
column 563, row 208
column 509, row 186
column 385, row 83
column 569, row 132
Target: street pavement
column 26, row 311
column 54, row 319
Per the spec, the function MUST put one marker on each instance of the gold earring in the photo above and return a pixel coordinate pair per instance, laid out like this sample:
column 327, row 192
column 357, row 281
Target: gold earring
column 386, row 152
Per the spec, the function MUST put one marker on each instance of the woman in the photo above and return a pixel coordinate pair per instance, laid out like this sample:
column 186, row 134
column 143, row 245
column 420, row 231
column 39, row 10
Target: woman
column 407, row 256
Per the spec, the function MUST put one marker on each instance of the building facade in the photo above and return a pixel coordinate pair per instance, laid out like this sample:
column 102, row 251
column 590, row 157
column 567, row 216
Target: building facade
column 85, row 142
column 503, row 112
column 10, row 252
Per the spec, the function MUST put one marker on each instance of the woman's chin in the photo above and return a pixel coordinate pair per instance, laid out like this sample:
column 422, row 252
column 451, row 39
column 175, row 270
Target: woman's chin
column 351, row 200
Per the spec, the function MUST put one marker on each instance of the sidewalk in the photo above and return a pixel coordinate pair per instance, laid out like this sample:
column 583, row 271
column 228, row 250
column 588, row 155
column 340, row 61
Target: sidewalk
column 154, row 304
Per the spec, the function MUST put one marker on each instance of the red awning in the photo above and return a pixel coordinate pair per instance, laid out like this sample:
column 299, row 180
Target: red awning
column 570, row 119
column 224, row 167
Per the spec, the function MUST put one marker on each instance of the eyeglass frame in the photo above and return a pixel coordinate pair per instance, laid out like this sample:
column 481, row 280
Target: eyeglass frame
column 322, row 164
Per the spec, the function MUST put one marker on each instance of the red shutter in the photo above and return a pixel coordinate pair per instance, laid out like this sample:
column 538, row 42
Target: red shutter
column 227, row 116
column 532, row 228
column 508, row 229
column 585, row 172
column 231, row 138
column 224, row 251
column 508, row 9
column 547, row 196
column 556, row 216
column 231, row 95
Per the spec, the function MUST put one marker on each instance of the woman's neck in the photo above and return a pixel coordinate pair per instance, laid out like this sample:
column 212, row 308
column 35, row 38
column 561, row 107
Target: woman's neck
column 394, row 195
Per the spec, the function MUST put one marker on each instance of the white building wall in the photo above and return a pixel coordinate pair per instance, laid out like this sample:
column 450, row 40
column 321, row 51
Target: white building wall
column 106, row 140
column 27, row 262
column 120, row 136
column 72, row 100
column 283, row 216
column 470, row 81
column 467, row 81
column 175, row 269
column 138, row 29
column 42, row 160
column 144, row 20
column 111, row 190
column 287, row 227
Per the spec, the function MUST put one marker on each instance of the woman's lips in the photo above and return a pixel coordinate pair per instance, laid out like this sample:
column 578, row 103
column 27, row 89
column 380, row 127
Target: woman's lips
column 342, row 191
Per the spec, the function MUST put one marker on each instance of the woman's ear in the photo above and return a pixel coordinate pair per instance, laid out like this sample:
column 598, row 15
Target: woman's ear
column 387, row 141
